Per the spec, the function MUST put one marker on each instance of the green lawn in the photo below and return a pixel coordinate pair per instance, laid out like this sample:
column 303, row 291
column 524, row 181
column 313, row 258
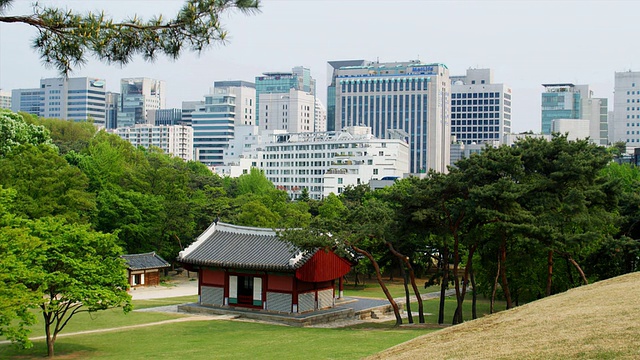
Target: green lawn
column 372, row 289
column 114, row 317
column 222, row 340
column 143, row 304
column 226, row 339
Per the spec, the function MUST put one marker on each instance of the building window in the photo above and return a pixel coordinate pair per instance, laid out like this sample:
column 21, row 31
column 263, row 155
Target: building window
column 375, row 171
column 339, row 180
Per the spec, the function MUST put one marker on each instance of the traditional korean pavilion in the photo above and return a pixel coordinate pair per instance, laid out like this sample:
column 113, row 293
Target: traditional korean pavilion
column 252, row 267
column 144, row 269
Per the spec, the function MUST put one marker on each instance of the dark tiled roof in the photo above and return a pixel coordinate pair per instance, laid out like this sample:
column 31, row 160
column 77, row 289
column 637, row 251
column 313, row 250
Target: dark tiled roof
column 145, row 261
column 241, row 247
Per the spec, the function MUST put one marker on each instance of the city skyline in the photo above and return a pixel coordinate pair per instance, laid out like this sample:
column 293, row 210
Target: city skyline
column 525, row 43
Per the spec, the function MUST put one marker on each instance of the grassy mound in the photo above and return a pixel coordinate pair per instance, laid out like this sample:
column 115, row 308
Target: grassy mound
column 597, row 321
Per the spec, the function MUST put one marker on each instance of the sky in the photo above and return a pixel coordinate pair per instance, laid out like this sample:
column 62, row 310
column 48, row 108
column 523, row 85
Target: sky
column 526, row 43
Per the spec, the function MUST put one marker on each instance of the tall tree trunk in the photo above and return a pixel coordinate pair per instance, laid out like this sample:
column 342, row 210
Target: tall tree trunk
column 474, row 294
column 547, row 291
column 584, row 278
column 503, row 270
column 444, row 284
column 396, row 309
column 456, row 279
column 47, row 330
column 495, row 287
column 412, row 277
column 465, row 281
column 569, row 273
column 405, row 281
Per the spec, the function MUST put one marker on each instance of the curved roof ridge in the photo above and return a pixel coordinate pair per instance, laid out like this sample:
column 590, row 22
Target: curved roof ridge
column 249, row 230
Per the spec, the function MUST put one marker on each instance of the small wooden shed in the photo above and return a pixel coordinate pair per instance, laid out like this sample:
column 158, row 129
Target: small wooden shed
column 249, row 267
column 144, row 269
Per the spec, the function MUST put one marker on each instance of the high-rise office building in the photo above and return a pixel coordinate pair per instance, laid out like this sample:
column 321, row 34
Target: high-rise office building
column 332, row 75
column 409, row 98
column 480, row 109
column 272, row 84
column 569, row 101
column 559, row 101
column 138, row 96
column 165, row 116
column 112, row 102
column 293, row 111
column 230, row 103
column 188, row 107
column 77, row 99
column 626, row 109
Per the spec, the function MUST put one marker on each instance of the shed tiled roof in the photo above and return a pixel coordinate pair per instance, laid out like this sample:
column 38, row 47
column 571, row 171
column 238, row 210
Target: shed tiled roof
column 145, row 261
column 241, row 247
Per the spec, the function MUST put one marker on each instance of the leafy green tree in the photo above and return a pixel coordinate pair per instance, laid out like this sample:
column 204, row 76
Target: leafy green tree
column 15, row 131
column 255, row 182
column 82, row 272
column 46, row 184
column 573, row 210
column 255, row 213
column 362, row 229
column 65, row 38
column 304, row 195
column 19, row 252
column 66, row 135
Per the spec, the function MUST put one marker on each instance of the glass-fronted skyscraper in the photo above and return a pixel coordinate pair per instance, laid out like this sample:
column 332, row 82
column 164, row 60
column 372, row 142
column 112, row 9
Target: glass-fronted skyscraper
column 559, row 101
column 409, row 99
column 138, row 96
column 572, row 102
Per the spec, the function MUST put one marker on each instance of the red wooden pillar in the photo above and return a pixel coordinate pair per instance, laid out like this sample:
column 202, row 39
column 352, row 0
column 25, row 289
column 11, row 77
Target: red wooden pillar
column 225, row 296
column 294, row 296
column 265, row 284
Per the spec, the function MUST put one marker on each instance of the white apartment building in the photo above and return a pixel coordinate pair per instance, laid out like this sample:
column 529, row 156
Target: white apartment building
column 480, row 109
column 626, row 110
column 323, row 163
column 77, row 99
column 5, row 99
column 410, row 97
column 138, row 96
column 293, row 111
column 576, row 129
column 320, row 121
column 176, row 140
column 244, row 151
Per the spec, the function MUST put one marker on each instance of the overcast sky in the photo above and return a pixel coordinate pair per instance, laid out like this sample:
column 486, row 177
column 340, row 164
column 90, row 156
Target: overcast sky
column 526, row 43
